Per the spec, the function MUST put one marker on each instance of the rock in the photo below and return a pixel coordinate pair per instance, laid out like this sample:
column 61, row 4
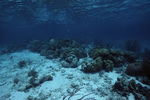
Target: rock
column 31, row 98
column 124, row 87
column 45, row 78
column 74, row 63
column 134, row 69
column 143, row 79
column 16, row 80
column 65, row 64
column 34, row 81
column 21, row 63
column 148, row 95
column 139, row 96
column 32, row 73
column 121, row 87
column 146, row 67
column 131, row 85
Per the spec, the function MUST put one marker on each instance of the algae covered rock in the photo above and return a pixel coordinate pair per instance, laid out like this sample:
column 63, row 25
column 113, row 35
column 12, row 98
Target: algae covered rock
column 32, row 73
column 35, row 81
column 89, row 66
column 65, row 64
column 117, row 60
column 99, row 63
column 36, row 45
column 92, row 65
column 124, row 87
column 71, row 56
column 121, row 86
column 77, row 52
column 117, row 56
column 59, row 43
column 68, row 43
column 100, row 52
column 49, row 54
column 116, row 52
column 62, row 48
column 45, row 78
column 134, row 69
column 103, row 52
column 68, row 63
column 141, row 69
column 108, row 65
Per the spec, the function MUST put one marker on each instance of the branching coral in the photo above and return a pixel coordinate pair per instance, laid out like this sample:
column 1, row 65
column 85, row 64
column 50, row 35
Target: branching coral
column 133, row 45
column 74, row 93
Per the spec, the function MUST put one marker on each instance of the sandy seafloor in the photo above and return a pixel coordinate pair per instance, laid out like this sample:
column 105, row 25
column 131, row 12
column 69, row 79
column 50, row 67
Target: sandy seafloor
column 65, row 80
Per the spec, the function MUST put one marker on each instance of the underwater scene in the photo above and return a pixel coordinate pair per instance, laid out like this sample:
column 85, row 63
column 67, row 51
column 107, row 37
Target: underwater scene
column 74, row 49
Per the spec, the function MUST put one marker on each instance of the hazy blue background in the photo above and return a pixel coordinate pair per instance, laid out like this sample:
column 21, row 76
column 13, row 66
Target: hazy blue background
column 86, row 20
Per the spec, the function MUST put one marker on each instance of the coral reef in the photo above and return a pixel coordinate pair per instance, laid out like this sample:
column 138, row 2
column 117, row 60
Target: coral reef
column 70, row 52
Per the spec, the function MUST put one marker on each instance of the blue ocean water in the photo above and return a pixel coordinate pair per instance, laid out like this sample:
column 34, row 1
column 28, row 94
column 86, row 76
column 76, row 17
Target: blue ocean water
column 89, row 20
